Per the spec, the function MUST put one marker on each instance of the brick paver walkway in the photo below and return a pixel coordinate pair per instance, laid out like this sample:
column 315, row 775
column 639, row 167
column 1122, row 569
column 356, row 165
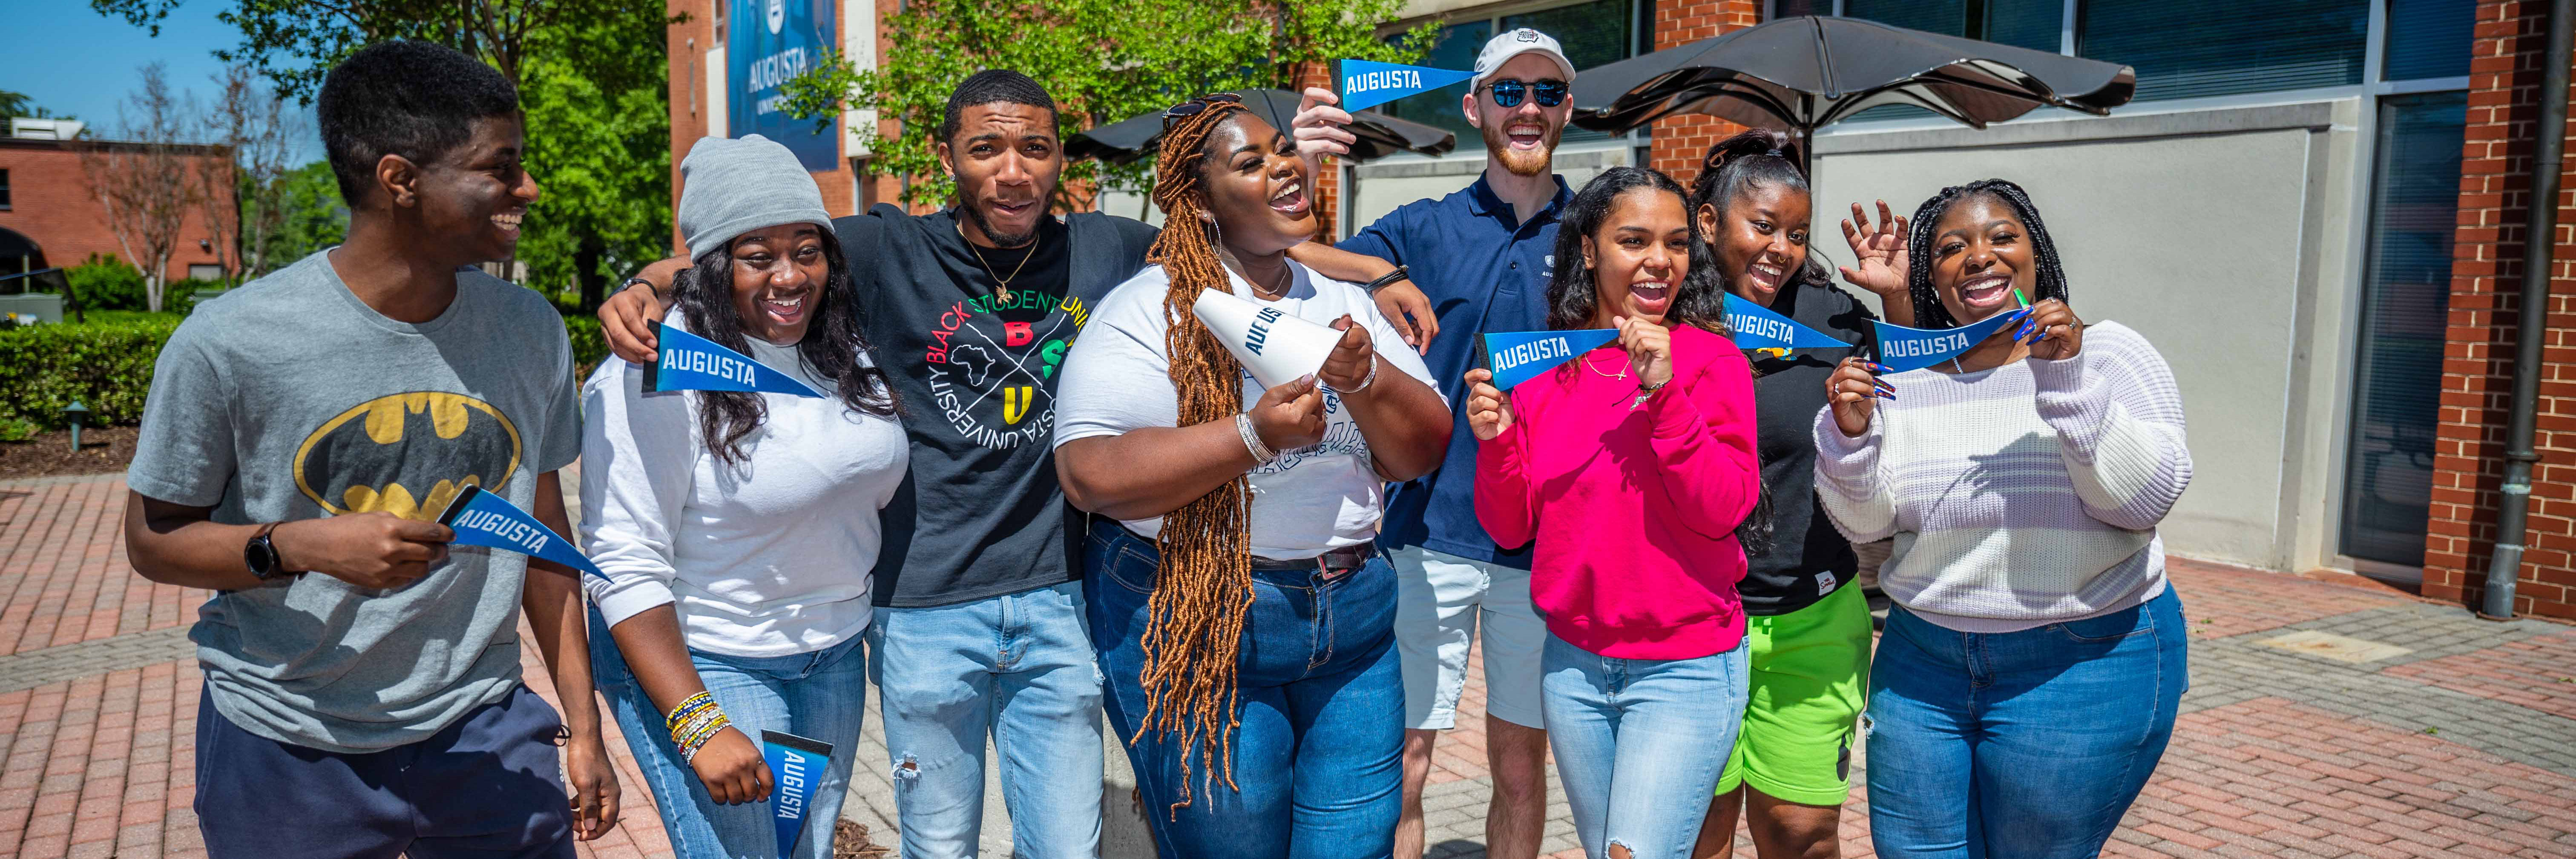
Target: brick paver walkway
column 2324, row 720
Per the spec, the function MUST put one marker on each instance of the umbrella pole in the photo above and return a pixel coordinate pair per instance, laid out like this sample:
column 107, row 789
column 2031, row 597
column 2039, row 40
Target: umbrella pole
column 1807, row 154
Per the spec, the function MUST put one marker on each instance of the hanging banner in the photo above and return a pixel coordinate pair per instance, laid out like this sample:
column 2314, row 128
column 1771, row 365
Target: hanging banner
column 795, row 766
column 1759, row 327
column 1367, row 83
column 770, row 42
column 1902, row 348
column 481, row 518
column 1518, row 356
column 692, row 363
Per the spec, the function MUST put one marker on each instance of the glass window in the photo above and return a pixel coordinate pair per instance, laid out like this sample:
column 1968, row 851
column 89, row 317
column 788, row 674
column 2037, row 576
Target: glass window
column 2186, row 48
column 2397, row 376
column 4, row 189
column 2032, row 24
column 2428, row 39
column 1593, row 33
column 1794, row 8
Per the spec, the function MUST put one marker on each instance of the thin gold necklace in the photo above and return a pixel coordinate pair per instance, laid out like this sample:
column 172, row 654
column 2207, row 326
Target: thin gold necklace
column 1001, row 285
column 1587, row 364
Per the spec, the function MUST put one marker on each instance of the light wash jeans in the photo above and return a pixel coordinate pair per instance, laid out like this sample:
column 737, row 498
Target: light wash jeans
column 2019, row 745
column 1639, row 743
column 820, row 695
column 1318, row 769
column 1019, row 668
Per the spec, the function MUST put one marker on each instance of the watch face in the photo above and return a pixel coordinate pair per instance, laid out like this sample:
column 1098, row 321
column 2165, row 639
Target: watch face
column 261, row 558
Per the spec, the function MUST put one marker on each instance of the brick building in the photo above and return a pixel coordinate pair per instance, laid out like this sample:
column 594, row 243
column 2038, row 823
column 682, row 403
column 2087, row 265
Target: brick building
column 50, row 218
column 2477, row 374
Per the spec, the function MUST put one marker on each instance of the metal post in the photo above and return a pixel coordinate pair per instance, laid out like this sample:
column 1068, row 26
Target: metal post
column 2540, row 238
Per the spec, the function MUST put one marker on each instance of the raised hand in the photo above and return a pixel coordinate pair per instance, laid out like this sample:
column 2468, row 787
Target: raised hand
column 2053, row 332
column 1853, row 392
column 1318, row 129
column 1290, row 416
column 1879, row 262
column 377, row 550
column 1650, row 350
column 1489, row 413
column 1347, row 367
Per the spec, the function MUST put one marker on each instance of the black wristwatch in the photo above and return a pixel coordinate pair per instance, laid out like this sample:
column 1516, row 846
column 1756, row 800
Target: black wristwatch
column 640, row 279
column 262, row 557
column 1390, row 277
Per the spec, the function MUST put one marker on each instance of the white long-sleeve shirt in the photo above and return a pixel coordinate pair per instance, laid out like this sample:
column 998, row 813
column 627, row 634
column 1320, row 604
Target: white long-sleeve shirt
column 770, row 557
column 2019, row 496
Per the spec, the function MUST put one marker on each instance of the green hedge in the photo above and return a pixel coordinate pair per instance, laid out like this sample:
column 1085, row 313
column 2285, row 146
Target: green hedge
column 107, row 366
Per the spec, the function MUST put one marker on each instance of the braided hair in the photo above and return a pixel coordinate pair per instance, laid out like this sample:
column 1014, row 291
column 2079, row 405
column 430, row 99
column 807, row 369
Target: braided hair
column 1203, row 579
column 832, row 346
column 1929, row 312
column 1753, row 159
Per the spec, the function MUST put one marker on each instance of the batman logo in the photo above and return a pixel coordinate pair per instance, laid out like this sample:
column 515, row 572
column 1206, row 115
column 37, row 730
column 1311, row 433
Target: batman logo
column 407, row 454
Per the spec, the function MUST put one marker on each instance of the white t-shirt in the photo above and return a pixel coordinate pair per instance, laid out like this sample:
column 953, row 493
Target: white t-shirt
column 1312, row 499
column 771, row 557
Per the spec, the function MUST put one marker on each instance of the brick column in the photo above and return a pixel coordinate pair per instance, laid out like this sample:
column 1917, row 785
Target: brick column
column 1680, row 141
column 1326, row 196
column 2477, row 372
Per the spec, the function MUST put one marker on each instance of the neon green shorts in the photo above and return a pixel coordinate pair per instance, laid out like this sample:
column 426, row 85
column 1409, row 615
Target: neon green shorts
column 1810, row 680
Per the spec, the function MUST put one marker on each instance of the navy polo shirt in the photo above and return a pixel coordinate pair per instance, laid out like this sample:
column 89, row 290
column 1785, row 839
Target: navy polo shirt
column 1484, row 270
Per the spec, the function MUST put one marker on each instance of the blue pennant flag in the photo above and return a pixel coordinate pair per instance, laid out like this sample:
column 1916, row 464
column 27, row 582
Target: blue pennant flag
column 483, row 519
column 1367, row 83
column 692, row 363
column 795, row 765
column 1518, row 356
column 1758, row 327
column 1902, row 348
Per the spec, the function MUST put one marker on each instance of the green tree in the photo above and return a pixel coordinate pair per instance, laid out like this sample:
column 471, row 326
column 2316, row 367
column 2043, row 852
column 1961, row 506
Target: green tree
column 1103, row 60
column 599, row 142
column 309, row 217
column 295, row 42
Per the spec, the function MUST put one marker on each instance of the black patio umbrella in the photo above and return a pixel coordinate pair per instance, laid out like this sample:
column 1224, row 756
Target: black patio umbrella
column 1379, row 135
column 1804, row 73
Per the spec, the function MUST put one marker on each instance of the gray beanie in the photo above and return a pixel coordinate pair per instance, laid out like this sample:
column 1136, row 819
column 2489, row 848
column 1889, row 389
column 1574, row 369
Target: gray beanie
column 732, row 187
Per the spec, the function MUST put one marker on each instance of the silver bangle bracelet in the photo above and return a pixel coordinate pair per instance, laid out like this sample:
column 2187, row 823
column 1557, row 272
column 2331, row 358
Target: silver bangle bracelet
column 1371, row 379
column 1261, row 453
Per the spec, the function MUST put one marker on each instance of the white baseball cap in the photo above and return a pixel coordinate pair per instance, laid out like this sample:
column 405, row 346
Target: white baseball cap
column 1512, row 43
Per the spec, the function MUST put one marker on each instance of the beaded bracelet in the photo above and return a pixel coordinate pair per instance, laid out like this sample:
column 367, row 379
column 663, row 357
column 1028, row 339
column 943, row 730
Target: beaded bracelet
column 688, row 708
column 697, row 739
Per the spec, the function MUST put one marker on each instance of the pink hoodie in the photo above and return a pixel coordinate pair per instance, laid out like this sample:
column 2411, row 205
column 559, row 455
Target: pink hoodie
column 1634, row 511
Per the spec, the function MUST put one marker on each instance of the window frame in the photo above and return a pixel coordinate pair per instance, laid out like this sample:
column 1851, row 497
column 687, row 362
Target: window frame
column 2374, row 82
column 8, row 199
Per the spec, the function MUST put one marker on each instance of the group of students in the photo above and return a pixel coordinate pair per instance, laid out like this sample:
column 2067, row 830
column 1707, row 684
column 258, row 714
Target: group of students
column 1271, row 592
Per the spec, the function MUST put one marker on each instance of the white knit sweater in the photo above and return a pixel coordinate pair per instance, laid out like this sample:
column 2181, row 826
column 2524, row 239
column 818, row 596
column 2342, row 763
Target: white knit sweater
column 2019, row 496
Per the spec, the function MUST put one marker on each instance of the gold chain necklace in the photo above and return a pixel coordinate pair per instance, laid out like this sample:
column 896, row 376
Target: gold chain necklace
column 1586, row 360
column 1001, row 285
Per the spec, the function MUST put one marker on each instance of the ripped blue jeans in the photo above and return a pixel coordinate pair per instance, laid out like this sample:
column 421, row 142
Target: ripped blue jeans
column 1019, row 668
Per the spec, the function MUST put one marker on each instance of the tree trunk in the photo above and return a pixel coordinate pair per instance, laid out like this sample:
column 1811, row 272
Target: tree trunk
column 585, row 266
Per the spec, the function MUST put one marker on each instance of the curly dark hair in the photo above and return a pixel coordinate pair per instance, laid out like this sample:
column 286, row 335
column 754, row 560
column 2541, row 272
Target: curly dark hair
column 832, row 347
column 1929, row 312
column 414, row 99
column 1755, row 158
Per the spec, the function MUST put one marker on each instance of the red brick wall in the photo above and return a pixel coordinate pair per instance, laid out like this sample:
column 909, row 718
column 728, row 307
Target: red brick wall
column 1680, row 141
column 51, row 204
column 2486, row 276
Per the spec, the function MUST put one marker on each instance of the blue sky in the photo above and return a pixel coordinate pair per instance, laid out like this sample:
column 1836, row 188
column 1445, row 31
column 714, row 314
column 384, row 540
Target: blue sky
column 73, row 60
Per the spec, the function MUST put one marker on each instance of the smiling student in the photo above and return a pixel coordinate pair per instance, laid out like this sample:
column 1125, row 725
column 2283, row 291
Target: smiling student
column 737, row 529
column 1630, row 469
column 2028, row 679
column 1243, row 612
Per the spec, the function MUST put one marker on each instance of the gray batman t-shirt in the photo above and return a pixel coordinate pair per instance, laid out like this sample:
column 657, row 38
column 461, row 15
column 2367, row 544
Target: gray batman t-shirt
column 288, row 398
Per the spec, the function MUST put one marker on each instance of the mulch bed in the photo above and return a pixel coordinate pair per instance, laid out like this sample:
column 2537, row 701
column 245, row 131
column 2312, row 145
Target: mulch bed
column 104, row 450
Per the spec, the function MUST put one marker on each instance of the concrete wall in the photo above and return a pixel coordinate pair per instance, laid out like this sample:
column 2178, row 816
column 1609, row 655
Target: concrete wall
column 2227, row 237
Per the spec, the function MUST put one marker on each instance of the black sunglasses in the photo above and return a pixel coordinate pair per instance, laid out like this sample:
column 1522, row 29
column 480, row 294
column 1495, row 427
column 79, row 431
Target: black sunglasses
column 1197, row 106
column 1507, row 92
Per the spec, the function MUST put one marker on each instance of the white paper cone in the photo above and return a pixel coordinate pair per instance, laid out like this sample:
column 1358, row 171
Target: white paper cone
column 1274, row 345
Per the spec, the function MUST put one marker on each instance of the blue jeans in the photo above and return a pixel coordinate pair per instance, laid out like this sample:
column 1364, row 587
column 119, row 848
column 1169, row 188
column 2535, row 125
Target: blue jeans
column 819, row 695
column 1017, row 668
column 1640, row 743
column 2019, row 745
column 1318, row 772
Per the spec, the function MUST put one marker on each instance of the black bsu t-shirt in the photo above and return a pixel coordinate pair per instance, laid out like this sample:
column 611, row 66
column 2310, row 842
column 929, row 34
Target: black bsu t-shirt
column 981, row 514
column 1808, row 558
